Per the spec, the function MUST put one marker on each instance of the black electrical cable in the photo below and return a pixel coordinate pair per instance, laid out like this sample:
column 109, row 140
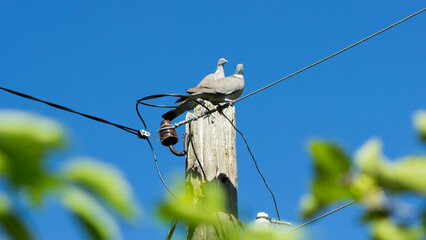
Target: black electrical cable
column 127, row 129
column 195, row 154
column 255, row 163
column 141, row 101
column 158, row 169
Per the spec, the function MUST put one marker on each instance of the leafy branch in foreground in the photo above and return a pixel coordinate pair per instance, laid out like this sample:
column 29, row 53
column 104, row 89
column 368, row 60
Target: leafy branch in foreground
column 84, row 186
column 208, row 208
column 381, row 185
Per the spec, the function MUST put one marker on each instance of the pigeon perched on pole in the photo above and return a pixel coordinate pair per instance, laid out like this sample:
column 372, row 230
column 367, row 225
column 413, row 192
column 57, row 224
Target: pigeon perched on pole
column 219, row 91
column 220, row 73
column 189, row 105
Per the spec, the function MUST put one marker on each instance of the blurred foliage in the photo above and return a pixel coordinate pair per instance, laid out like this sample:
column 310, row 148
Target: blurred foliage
column 25, row 140
column 91, row 214
column 189, row 208
column 419, row 120
column 209, row 209
column 84, row 186
column 106, row 182
column 331, row 177
column 89, row 188
column 10, row 221
column 376, row 181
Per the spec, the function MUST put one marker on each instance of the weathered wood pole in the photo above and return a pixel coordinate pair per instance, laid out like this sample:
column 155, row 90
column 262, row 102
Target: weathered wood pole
column 214, row 141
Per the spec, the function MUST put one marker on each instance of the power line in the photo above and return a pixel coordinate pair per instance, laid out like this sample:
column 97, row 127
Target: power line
column 176, row 125
column 257, row 167
column 127, row 129
column 158, row 169
column 324, row 59
column 322, row 216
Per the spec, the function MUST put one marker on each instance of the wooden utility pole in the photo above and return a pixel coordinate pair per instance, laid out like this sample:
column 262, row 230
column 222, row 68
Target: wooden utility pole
column 214, row 148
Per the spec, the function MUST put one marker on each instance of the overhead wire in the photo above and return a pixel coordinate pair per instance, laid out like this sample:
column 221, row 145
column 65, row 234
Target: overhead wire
column 322, row 216
column 127, row 129
column 158, row 169
column 195, row 154
column 324, row 59
column 135, row 132
column 176, row 125
column 255, row 163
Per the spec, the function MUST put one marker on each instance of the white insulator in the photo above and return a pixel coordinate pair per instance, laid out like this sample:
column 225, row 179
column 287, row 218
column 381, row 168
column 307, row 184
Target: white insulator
column 262, row 218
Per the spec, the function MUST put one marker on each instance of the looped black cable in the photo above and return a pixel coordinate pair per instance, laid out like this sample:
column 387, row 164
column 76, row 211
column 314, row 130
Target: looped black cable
column 141, row 101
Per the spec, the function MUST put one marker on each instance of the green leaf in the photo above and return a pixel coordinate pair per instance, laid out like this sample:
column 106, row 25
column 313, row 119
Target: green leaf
column 332, row 180
column 369, row 157
column 107, row 182
column 330, row 160
column 406, row 174
column 376, row 214
column 25, row 140
column 269, row 232
column 97, row 222
column 195, row 210
column 387, row 229
column 11, row 223
column 32, row 127
column 419, row 120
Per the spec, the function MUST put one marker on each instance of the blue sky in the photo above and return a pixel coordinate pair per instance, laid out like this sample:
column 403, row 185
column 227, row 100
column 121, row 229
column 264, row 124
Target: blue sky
column 99, row 57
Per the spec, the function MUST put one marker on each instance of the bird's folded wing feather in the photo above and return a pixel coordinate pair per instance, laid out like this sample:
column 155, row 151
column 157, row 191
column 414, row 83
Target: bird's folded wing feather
column 223, row 86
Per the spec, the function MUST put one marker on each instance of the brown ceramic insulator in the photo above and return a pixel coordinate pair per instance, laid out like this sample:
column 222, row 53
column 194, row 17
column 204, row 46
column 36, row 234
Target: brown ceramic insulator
column 168, row 135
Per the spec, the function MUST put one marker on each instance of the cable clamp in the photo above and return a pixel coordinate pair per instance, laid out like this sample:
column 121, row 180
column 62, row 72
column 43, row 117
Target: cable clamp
column 263, row 218
column 143, row 134
column 273, row 220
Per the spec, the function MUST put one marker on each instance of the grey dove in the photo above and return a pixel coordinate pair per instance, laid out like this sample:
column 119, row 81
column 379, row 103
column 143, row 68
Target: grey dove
column 218, row 91
column 220, row 73
column 189, row 105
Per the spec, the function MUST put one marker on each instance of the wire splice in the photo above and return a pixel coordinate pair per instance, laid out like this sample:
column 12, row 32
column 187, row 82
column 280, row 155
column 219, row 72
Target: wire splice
column 143, row 134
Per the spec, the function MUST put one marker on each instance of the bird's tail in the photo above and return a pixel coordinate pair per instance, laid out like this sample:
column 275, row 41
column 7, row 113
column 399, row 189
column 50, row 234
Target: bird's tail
column 181, row 108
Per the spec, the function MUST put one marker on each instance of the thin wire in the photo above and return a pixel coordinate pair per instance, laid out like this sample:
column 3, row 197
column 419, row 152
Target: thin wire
column 195, row 154
column 158, row 169
column 149, row 142
column 205, row 114
column 324, row 59
column 140, row 116
column 322, row 216
column 257, row 167
column 154, row 139
column 303, row 69
column 127, row 129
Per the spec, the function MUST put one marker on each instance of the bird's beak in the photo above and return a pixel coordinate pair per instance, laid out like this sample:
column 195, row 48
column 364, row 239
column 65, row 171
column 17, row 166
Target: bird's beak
column 226, row 61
